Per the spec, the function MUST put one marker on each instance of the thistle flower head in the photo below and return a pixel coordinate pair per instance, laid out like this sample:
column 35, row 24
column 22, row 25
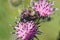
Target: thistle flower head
column 26, row 30
column 43, row 7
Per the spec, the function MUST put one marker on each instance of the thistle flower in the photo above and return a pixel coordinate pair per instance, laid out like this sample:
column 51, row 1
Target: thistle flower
column 26, row 30
column 43, row 7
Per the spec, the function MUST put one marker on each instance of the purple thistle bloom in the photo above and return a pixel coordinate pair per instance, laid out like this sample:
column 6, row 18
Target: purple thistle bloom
column 26, row 30
column 43, row 7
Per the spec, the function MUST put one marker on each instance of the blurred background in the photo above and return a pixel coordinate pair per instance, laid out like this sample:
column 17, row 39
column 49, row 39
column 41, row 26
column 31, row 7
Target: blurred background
column 8, row 14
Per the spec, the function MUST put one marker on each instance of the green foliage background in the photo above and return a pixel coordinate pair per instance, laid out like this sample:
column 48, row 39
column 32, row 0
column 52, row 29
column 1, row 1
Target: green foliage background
column 8, row 14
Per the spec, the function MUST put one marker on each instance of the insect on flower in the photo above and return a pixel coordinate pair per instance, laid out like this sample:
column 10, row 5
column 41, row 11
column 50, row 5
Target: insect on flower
column 28, row 15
